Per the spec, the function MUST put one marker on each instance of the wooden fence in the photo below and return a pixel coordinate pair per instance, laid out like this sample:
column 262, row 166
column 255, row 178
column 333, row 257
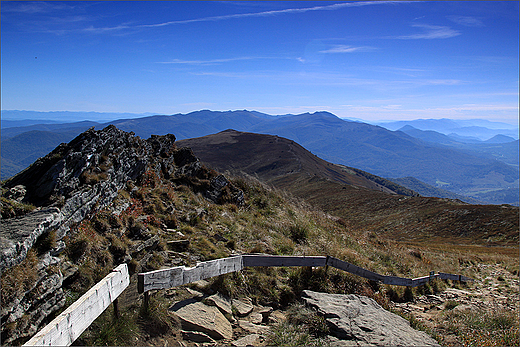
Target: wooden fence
column 176, row 276
column 69, row 325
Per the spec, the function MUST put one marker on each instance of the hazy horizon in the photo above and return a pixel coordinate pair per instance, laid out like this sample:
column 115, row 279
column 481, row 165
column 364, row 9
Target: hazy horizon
column 111, row 116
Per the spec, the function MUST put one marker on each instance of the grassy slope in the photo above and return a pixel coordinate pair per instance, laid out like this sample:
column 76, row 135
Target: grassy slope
column 356, row 198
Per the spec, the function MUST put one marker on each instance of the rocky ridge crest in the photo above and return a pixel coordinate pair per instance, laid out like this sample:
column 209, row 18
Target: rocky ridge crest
column 73, row 182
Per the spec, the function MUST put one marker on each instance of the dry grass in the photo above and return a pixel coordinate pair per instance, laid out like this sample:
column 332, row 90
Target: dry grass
column 269, row 222
column 11, row 208
column 485, row 328
column 303, row 327
column 19, row 279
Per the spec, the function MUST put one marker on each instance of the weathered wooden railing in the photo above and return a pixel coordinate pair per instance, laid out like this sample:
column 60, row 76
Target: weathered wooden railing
column 69, row 325
column 176, row 276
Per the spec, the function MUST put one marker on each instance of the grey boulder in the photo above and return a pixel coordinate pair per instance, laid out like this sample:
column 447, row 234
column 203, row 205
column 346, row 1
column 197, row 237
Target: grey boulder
column 361, row 319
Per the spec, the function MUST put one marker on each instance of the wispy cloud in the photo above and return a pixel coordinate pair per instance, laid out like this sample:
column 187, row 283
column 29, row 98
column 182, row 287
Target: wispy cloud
column 331, row 79
column 445, row 82
column 348, row 49
column 466, row 21
column 210, row 61
column 243, row 15
column 33, row 7
column 430, row 32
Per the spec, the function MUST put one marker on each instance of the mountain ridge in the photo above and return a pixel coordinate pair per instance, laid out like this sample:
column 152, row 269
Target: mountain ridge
column 270, row 157
column 370, row 148
column 341, row 191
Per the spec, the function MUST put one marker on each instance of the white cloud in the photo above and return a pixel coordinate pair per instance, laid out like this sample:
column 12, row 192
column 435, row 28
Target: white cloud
column 466, row 21
column 347, row 49
column 207, row 62
column 447, row 82
column 431, row 32
column 222, row 60
column 34, row 7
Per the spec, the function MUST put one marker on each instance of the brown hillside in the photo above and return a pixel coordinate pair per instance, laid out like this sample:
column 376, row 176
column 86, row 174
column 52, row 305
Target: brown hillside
column 348, row 193
column 270, row 158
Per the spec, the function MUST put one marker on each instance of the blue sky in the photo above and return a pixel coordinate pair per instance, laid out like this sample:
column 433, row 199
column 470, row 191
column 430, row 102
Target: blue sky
column 368, row 60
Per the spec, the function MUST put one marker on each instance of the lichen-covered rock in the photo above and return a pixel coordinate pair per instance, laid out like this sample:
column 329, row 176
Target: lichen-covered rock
column 248, row 340
column 359, row 318
column 222, row 302
column 243, row 306
column 28, row 312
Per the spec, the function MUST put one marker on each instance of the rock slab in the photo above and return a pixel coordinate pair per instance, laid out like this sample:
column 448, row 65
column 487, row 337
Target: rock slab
column 362, row 319
column 249, row 340
column 243, row 306
column 207, row 319
column 221, row 302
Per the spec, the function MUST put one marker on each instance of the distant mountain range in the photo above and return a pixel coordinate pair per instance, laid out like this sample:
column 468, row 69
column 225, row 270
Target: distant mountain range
column 499, row 147
column 17, row 118
column 475, row 171
column 471, row 129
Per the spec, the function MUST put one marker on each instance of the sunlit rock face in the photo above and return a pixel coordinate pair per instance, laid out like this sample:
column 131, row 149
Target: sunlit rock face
column 74, row 181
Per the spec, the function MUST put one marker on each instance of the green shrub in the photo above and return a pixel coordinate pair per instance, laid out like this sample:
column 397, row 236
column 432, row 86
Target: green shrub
column 155, row 319
column 45, row 242
column 298, row 314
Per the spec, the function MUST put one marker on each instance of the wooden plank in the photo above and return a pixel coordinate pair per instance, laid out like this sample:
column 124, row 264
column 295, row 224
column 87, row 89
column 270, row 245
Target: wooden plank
column 354, row 269
column 232, row 264
column 282, row 260
column 160, row 279
column 212, row 268
column 71, row 323
column 398, row 281
column 452, row 277
column 168, row 278
column 422, row 280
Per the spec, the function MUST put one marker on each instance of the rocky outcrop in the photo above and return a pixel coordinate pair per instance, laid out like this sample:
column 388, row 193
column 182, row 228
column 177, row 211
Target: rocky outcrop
column 86, row 174
column 217, row 190
column 29, row 311
column 17, row 235
column 73, row 182
column 360, row 319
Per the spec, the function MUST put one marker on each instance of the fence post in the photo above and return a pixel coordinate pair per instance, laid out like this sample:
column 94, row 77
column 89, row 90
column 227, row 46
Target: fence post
column 327, row 264
column 146, row 300
column 116, row 308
